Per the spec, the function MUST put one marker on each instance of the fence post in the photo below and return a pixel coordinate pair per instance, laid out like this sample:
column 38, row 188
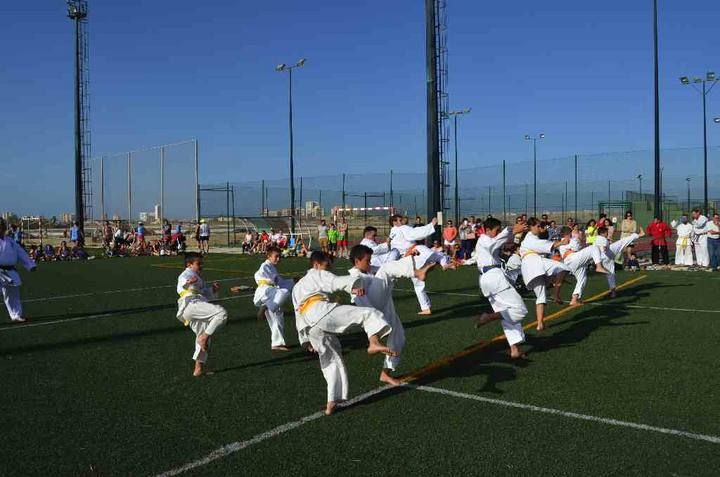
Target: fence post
column 197, row 183
column 227, row 210
column 162, row 183
column 129, row 184
column 262, row 198
column 102, row 190
column 504, row 194
column 233, row 215
column 576, row 189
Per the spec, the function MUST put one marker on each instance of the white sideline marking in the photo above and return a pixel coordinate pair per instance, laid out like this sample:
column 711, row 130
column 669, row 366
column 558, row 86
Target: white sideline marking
column 110, row 292
column 572, row 415
column 593, row 303
column 233, row 447
column 93, row 317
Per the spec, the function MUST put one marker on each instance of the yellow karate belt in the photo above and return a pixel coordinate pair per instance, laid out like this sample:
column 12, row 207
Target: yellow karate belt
column 263, row 282
column 307, row 304
column 529, row 253
column 185, row 293
column 684, row 242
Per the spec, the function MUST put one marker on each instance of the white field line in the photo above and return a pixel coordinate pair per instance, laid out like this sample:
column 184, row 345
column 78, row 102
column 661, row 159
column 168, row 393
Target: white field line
column 619, row 304
column 237, row 446
column 110, row 292
column 95, row 317
column 573, row 415
column 233, row 447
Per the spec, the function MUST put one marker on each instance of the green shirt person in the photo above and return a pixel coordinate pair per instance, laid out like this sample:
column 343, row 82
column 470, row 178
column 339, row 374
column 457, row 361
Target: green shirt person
column 333, row 235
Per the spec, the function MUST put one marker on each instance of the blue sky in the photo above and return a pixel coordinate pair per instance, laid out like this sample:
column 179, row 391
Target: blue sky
column 165, row 70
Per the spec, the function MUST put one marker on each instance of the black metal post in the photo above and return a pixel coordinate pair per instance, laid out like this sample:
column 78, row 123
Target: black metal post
column 576, row 187
column 658, row 180
column 392, row 198
column 79, row 206
column 504, row 194
column 262, row 198
column 457, row 202
column 292, row 163
column 705, row 149
column 535, row 177
column 431, row 81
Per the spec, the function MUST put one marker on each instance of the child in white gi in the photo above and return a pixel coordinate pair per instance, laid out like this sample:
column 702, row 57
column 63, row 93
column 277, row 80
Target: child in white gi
column 378, row 295
column 322, row 322
column 195, row 310
column 536, row 269
column 381, row 252
column 10, row 254
column 611, row 250
column 506, row 302
column 700, row 223
column 577, row 259
column 271, row 293
column 402, row 239
column 683, row 246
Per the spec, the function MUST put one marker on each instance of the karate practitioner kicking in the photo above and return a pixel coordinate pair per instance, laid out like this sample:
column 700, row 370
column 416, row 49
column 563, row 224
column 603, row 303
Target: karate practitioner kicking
column 611, row 250
column 506, row 302
column 378, row 294
column 402, row 239
column 381, row 253
column 577, row 260
column 195, row 309
column 683, row 246
column 271, row 293
column 322, row 321
column 537, row 269
column 10, row 254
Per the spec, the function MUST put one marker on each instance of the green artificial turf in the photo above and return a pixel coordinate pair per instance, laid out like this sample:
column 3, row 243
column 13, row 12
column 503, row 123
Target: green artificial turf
column 111, row 392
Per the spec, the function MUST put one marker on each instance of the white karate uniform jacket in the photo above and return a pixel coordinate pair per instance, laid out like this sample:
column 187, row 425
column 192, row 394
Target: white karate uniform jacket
column 10, row 254
column 319, row 283
column 403, row 237
column 533, row 263
column 268, row 280
column 382, row 253
column 198, row 291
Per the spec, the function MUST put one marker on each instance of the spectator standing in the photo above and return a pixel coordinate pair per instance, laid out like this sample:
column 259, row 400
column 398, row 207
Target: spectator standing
column 332, row 238
column 450, row 233
column 470, row 238
column 166, row 231
column 16, row 234
column 591, row 232
column 700, row 223
column 343, row 238
column 204, row 236
column 419, row 223
column 554, row 231
column 107, row 234
column 713, row 241
column 140, row 233
column 323, row 236
column 660, row 232
column 462, row 236
column 76, row 236
column 627, row 227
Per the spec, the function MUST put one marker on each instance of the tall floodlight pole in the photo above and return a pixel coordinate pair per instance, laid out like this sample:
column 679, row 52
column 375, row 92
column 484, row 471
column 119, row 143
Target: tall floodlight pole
column 712, row 80
column 455, row 115
column 283, row 67
column 639, row 178
column 77, row 12
column 534, row 140
column 687, row 179
column 656, row 82
column 434, row 204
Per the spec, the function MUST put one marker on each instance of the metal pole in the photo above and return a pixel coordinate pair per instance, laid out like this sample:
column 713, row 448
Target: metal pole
column 232, row 192
column 197, row 182
column 688, row 195
column 609, row 197
column 565, row 203
column 343, row 194
column 227, row 210
column 129, row 184
column 705, row 149
column 504, row 195
column 162, row 184
column 431, row 81
column 292, row 165
column 102, row 189
column 300, row 202
column 535, row 177
column 79, row 199
column 457, row 202
column 658, row 180
column 262, row 198
column 576, row 187
column 365, row 208
column 489, row 200
column 526, row 199
column 320, row 200
column 392, row 197
column 592, row 203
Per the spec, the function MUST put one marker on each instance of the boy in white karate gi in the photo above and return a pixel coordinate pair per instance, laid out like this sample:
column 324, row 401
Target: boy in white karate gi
column 322, row 322
column 10, row 254
column 506, row 302
column 577, row 259
column 378, row 294
column 402, row 239
column 683, row 246
column 611, row 250
column 195, row 309
column 271, row 293
column 381, row 252
column 700, row 229
column 537, row 269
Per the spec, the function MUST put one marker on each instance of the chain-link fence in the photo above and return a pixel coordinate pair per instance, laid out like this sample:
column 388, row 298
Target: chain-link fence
column 149, row 184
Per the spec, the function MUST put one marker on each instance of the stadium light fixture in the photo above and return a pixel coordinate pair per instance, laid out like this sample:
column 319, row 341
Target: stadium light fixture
column 717, row 120
column 708, row 83
column 281, row 67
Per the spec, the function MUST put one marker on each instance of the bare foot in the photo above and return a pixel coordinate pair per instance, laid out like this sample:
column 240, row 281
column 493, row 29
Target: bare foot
column 280, row 348
column 425, row 313
column 600, row 269
column 19, row 320
column 515, row 353
column 613, row 294
column 198, row 371
column 421, row 273
column 540, row 325
column 558, row 300
column 575, row 301
column 375, row 348
column 203, row 341
column 387, row 378
column 261, row 312
column 308, row 348
column 330, row 408
column 485, row 318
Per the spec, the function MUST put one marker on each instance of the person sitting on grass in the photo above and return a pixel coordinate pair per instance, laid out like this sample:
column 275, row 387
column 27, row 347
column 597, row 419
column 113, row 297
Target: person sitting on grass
column 63, row 252
column 321, row 322
column 49, row 253
column 195, row 309
column 79, row 253
column 633, row 263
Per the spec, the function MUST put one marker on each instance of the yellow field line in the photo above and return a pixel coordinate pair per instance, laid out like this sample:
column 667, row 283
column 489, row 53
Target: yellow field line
column 447, row 360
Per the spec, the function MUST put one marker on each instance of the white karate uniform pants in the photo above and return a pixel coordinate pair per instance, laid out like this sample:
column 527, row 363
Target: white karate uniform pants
column 701, row 252
column 11, row 297
column 324, row 339
column 537, row 285
column 612, row 251
column 683, row 252
column 426, row 255
column 274, row 315
column 381, row 292
column 578, row 263
column 204, row 317
column 505, row 300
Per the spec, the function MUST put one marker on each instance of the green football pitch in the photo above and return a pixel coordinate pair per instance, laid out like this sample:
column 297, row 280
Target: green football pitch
column 99, row 383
